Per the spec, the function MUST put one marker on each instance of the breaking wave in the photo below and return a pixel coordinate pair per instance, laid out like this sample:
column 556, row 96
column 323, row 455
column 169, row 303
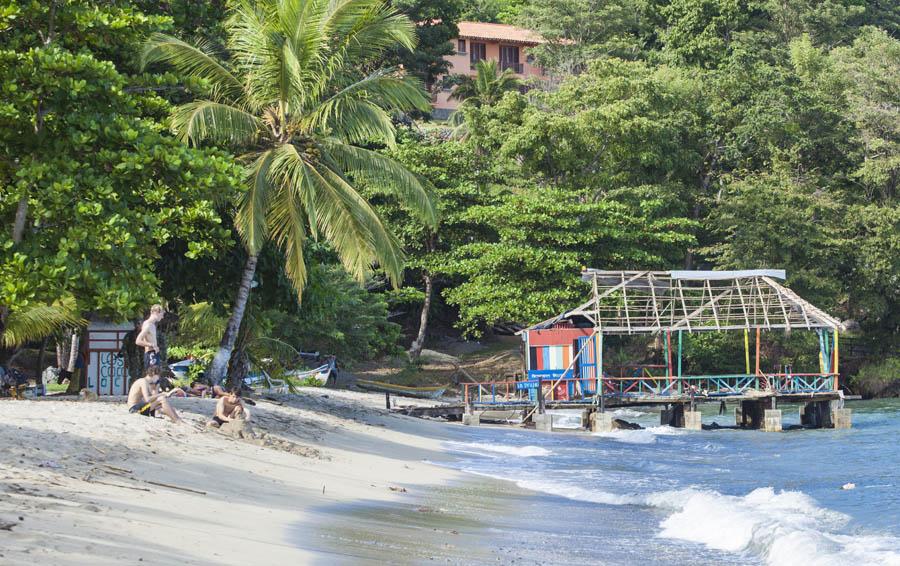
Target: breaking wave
column 784, row 528
column 497, row 449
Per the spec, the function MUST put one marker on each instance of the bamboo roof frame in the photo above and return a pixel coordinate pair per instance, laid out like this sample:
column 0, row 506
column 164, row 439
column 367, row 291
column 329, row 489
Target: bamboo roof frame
column 650, row 302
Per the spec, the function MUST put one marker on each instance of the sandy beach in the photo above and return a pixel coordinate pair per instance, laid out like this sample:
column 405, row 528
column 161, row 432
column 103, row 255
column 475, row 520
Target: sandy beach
column 86, row 482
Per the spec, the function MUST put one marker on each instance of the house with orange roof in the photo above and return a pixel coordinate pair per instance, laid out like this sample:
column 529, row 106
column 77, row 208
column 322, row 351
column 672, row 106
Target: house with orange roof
column 478, row 41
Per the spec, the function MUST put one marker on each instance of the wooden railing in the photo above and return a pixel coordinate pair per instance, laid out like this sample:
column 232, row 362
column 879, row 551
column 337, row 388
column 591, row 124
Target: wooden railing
column 558, row 386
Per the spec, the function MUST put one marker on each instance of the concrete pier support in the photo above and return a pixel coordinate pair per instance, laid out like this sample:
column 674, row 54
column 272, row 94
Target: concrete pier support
column 841, row 418
column 692, row 420
column 543, row 423
column 672, row 415
column 825, row 414
column 471, row 419
column 601, row 422
column 751, row 414
column 772, row 420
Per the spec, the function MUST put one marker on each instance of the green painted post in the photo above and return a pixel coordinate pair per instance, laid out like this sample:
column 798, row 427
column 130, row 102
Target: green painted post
column 679, row 362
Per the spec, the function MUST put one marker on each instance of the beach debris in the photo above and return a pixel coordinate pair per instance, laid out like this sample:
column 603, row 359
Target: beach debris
column 87, row 395
column 849, row 485
column 625, row 425
column 49, row 464
column 170, row 486
column 397, row 489
column 4, row 526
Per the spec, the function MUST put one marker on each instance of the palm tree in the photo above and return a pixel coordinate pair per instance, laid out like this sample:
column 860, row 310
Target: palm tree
column 34, row 322
column 292, row 100
column 488, row 85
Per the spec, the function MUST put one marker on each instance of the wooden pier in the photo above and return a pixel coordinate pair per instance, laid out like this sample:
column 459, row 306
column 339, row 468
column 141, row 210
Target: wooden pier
column 758, row 412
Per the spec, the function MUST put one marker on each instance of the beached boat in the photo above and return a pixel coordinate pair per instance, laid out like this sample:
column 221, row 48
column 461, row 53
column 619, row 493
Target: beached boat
column 417, row 392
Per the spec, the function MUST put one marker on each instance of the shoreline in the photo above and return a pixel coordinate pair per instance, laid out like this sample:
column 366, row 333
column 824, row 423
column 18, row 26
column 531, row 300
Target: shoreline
column 92, row 482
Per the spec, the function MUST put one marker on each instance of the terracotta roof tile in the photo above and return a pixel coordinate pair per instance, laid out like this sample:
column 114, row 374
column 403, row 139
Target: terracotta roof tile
column 498, row 32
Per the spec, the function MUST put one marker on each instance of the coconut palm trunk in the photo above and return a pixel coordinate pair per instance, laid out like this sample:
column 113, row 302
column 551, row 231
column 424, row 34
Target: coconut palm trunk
column 416, row 349
column 217, row 370
column 292, row 99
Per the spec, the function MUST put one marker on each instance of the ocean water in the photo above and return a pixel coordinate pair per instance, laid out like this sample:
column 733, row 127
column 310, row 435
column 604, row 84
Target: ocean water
column 669, row 496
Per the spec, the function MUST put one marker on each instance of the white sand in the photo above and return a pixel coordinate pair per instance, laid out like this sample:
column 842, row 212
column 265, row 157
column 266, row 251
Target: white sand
column 74, row 478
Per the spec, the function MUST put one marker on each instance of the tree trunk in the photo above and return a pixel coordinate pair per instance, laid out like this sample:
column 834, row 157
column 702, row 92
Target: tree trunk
column 416, row 349
column 19, row 223
column 219, row 364
column 39, row 370
column 73, row 353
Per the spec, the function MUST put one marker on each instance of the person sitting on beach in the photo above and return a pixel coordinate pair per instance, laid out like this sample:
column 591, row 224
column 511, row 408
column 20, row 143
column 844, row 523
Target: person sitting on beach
column 230, row 408
column 199, row 389
column 145, row 398
column 166, row 385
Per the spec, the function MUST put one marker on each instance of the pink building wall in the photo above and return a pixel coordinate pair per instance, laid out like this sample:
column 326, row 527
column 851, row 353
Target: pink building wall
column 460, row 64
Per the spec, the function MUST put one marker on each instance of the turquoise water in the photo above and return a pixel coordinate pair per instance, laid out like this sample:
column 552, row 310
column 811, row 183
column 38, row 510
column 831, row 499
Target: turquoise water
column 664, row 495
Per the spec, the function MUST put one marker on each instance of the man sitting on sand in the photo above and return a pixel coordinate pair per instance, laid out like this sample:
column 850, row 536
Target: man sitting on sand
column 145, row 399
column 230, row 408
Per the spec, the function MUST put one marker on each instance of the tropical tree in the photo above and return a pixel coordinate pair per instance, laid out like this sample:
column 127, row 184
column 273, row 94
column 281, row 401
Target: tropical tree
column 488, row 85
column 293, row 99
column 35, row 321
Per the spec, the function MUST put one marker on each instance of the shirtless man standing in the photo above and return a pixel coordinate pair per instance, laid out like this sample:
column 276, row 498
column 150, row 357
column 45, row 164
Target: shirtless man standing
column 147, row 336
column 145, row 399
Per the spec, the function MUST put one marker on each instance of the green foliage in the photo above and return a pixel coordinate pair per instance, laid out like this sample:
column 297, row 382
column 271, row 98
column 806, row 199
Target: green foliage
column 35, row 321
column 339, row 317
column 542, row 239
column 579, row 31
column 878, row 378
column 101, row 184
column 487, row 86
column 435, row 27
column 302, row 110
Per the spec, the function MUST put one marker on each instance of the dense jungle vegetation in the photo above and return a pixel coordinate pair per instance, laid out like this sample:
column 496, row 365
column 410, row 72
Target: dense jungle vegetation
column 665, row 134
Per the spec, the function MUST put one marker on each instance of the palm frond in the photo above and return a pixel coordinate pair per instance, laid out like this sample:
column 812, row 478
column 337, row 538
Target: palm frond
column 194, row 61
column 381, row 245
column 34, row 322
column 365, row 29
column 203, row 120
column 201, row 324
column 253, row 206
column 288, row 213
column 359, row 111
column 388, row 175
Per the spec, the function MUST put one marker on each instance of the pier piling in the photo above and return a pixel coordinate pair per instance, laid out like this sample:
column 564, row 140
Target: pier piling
column 672, row 415
column 601, row 422
column 772, row 420
column 692, row 420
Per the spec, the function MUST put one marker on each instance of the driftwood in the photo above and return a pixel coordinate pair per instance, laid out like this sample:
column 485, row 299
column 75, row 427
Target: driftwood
column 161, row 484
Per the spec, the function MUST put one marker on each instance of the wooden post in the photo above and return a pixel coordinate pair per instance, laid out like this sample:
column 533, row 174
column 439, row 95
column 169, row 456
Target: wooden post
column 837, row 374
column 387, row 400
column 679, row 363
column 598, row 361
column 757, row 351
column 746, row 350
column 540, row 396
column 669, row 366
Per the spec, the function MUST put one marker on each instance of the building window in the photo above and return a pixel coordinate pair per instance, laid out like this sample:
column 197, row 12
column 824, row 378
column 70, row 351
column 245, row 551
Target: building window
column 477, row 52
column 509, row 58
column 460, row 45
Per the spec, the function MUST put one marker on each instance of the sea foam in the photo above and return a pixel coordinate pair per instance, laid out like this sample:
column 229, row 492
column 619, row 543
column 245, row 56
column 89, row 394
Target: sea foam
column 486, row 449
column 783, row 528
column 640, row 436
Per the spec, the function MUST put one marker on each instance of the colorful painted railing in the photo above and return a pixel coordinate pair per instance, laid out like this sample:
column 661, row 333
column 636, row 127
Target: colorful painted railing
column 561, row 387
